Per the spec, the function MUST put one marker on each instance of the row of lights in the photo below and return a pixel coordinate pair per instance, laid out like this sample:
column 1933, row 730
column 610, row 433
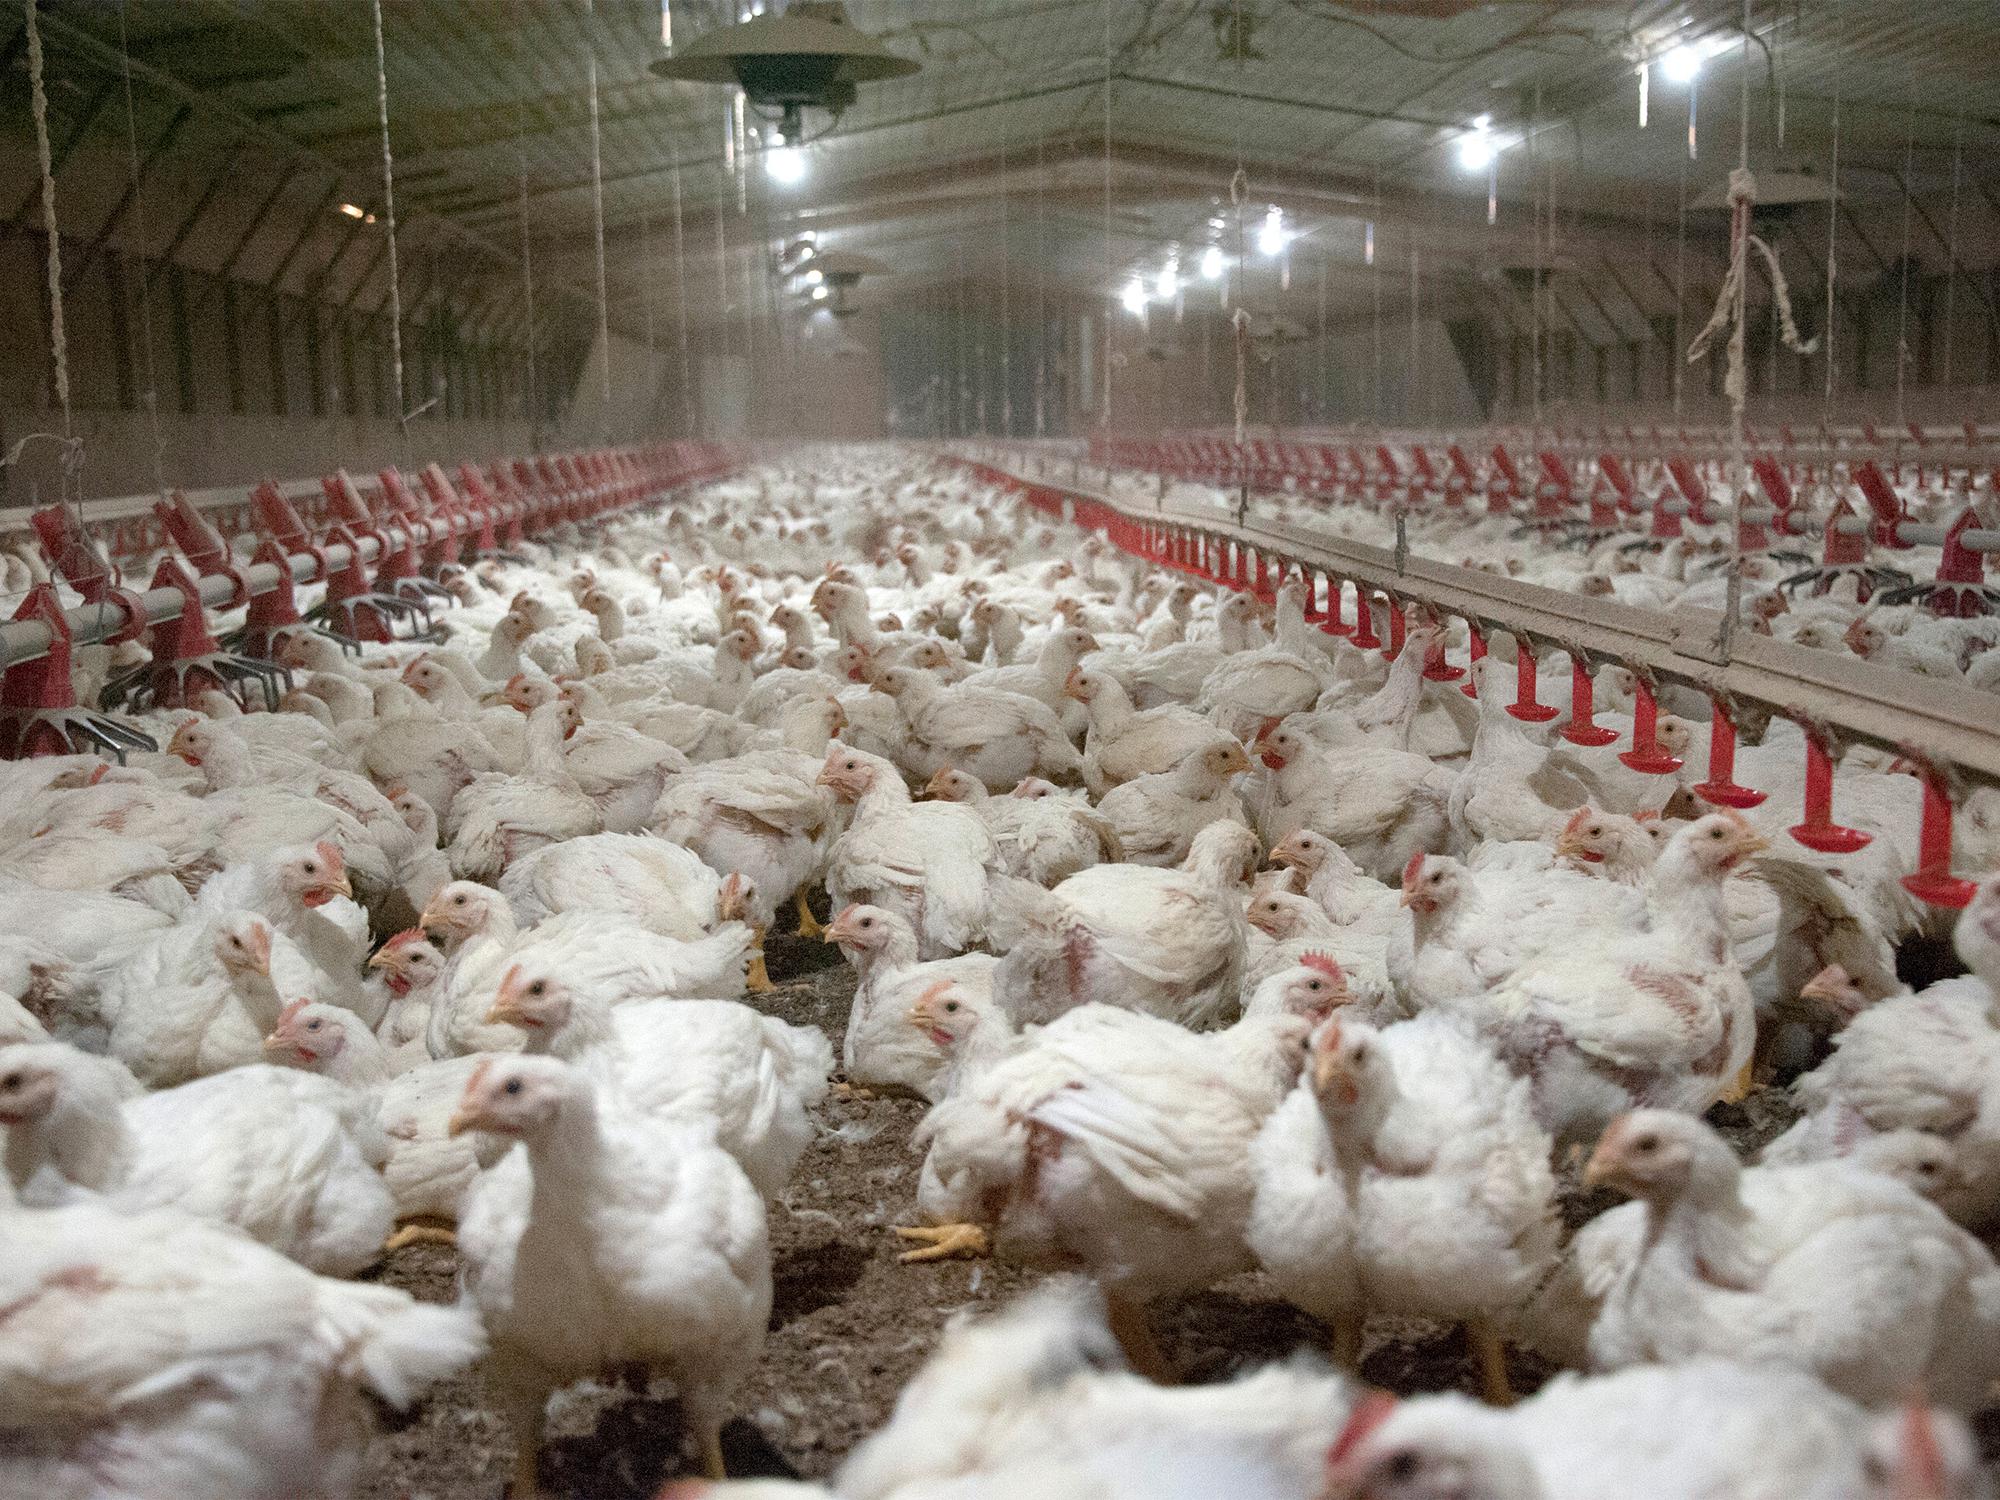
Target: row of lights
column 1272, row 237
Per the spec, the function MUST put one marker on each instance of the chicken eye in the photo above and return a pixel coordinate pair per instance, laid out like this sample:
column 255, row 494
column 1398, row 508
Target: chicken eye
column 1313, row 984
column 1646, row 1143
column 511, row 1086
column 1400, row 1466
column 539, row 987
column 867, row 921
column 951, row 1007
column 313, row 1025
column 458, row 900
column 11, row 1081
column 310, row 868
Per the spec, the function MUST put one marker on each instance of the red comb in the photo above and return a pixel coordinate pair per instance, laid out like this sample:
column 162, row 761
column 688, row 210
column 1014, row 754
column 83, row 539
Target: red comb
column 1325, row 964
column 1410, row 870
column 1369, row 1413
column 330, row 852
column 1645, row 816
column 404, row 938
column 1576, row 819
column 292, row 1009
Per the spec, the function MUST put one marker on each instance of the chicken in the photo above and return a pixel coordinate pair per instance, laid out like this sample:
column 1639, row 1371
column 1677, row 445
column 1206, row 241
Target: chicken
column 1123, row 742
column 1168, row 942
column 1379, row 804
column 426, row 1168
column 607, row 1238
column 1155, row 818
column 201, row 999
column 1509, row 788
column 282, row 1156
column 1115, row 1141
column 1405, row 1175
column 1660, row 1017
column 1043, row 836
column 410, row 966
column 497, row 819
column 998, row 737
column 154, row 1354
column 929, row 862
column 652, row 882
column 880, row 1048
column 752, row 1080
column 1738, row 1264
column 304, row 893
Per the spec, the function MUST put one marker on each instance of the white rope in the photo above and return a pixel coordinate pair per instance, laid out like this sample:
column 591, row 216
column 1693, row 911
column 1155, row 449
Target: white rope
column 69, row 446
column 151, row 395
column 39, row 103
column 597, row 222
column 1041, row 295
column 1729, row 302
column 389, row 218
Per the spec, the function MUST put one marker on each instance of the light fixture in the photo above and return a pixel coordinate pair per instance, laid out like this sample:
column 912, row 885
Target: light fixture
column 1211, row 263
column 1272, row 236
column 1477, row 148
column 785, row 165
column 815, row 276
column 1682, row 64
column 811, row 57
column 819, row 294
column 1134, row 296
column 1170, row 280
column 354, row 210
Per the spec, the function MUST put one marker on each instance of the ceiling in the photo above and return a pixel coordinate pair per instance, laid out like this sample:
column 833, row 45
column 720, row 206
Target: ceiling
column 1007, row 157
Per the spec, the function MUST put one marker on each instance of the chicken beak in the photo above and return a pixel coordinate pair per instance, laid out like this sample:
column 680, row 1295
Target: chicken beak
column 1605, row 1167
column 936, row 786
column 462, row 1120
column 385, row 958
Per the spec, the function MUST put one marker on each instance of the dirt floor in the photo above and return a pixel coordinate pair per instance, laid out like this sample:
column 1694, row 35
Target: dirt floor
column 850, row 1324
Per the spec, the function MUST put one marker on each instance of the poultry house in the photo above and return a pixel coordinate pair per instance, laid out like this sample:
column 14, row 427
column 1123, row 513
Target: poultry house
column 488, row 957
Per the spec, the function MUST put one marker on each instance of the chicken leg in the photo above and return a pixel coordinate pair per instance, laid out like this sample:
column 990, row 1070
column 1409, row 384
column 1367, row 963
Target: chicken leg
column 942, row 1241
column 528, row 1413
column 1129, row 1325
column 712, row 1466
column 809, row 925
column 756, row 980
column 1487, row 1348
column 1738, row 1088
column 421, row 1230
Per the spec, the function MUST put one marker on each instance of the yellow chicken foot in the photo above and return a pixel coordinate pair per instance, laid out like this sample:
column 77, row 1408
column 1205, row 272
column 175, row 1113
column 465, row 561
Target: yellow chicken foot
column 842, row 1089
column 1129, row 1325
column 942, row 1241
column 755, row 980
column 711, row 1455
column 809, row 925
column 420, row 1232
column 1740, row 1086
column 1487, row 1348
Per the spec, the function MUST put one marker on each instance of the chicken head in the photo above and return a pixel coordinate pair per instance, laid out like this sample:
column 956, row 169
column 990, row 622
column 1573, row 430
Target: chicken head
column 513, row 1096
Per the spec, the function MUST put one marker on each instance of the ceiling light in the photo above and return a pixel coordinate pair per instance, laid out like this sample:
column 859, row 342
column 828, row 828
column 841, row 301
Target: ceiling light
column 1170, row 280
column 1476, row 151
column 354, row 210
column 1134, row 296
column 1681, row 65
column 819, row 294
column 785, row 164
column 815, row 276
column 1211, row 263
column 1272, row 236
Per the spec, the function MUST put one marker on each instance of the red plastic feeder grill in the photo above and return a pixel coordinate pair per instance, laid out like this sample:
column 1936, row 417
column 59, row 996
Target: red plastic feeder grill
column 1933, row 881
column 1526, row 706
column 39, row 714
column 1721, row 788
column 1583, row 728
column 1819, row 831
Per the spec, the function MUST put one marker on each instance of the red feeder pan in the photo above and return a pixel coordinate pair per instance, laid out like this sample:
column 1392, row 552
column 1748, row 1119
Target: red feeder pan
column 1646, row 754
column 1582, row 728
column 1819, row 831
column 1933, row 881
column 1525, row 707
column 1721, row 787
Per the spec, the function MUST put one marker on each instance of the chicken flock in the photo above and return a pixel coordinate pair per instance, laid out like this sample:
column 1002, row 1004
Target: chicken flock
column 1215, row 944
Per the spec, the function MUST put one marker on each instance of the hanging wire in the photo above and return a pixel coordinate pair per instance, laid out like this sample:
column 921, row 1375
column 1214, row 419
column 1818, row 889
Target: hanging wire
column 1375, row 295
column 1006, row 327
column 389, row 220
column 597, row 219
column 151, row 395
column 1951, row 242
column 1110, row 268
column 1415, row 385
column 1680, row 286
column 1832, row 235
column 1041, row 293
column 1903, row 287
column 528, row 290
column 681, row 299
column 1538, row 197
